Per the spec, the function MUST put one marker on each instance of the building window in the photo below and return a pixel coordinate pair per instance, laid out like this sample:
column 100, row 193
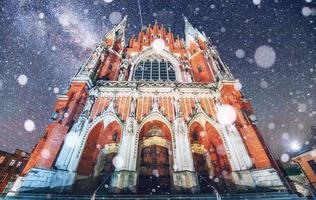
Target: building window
column 2, row 158
column 110, row 67
column 312, row 164
column 3, row 177
column 154, row 69
column 19, row 164
column 200, row 69
column 114, row 136
column 12, row 162
column 195, row 136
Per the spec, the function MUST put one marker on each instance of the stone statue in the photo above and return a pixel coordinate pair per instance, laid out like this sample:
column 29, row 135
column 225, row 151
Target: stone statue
column 121, row 75
column 187, row 71
column 133, row 106
column 177, row 107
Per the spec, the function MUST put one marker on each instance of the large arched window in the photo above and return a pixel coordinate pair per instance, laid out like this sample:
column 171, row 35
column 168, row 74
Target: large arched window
column 154, row 69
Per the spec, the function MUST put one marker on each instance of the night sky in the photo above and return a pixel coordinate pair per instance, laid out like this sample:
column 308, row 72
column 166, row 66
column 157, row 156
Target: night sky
column 43, row 43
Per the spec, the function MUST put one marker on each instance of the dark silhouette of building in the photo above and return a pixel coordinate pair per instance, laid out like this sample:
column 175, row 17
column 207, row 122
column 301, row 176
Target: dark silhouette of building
column 11, row 165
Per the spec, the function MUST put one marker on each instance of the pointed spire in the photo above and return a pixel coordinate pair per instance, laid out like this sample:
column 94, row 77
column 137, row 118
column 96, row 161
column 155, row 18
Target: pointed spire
column 188, row 28
column 191, row 33
column 118, row 32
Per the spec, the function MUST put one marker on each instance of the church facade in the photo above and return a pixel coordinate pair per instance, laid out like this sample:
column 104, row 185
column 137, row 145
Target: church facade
column 154, row 114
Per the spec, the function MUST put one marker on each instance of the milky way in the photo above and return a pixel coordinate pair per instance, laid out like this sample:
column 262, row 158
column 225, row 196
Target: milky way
column 269, row 46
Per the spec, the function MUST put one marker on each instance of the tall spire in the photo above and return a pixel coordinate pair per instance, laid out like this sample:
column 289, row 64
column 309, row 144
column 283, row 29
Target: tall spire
column 191, row 33
column 188, row 28
column 118, row 32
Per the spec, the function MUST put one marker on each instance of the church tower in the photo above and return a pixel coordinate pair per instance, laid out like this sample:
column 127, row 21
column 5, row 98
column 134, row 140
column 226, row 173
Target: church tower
column 152, row 114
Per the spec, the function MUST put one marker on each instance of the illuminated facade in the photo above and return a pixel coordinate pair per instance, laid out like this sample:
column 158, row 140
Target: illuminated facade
column 156, row 114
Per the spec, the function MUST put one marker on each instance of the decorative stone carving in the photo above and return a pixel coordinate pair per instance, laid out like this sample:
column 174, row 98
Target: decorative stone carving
column 187, row 70
column 88, row 106
column 123, row 69
column 159, row 83
column 133, row 107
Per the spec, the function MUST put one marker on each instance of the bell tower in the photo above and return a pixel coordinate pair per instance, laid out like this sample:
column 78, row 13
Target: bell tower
column 156, row 114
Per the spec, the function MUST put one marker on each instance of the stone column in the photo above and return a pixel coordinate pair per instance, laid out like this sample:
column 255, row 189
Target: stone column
column 184, row 177
column 241, row 151
column 125, row 175
column 69, row 156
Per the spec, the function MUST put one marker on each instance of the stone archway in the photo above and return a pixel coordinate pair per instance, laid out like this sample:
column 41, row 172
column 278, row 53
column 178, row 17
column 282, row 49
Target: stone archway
column 96, row 158
column 209, row 154
column 155, row 162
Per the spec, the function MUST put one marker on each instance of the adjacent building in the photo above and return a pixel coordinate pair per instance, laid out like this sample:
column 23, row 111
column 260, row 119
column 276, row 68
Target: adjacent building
column 11, row 166
column 307, row 162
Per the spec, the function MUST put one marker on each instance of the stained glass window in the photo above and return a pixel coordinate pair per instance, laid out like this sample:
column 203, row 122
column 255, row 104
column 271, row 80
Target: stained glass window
column 154, row 69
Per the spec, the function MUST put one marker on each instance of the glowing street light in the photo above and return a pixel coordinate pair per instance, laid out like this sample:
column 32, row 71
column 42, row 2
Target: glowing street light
column 295, row 146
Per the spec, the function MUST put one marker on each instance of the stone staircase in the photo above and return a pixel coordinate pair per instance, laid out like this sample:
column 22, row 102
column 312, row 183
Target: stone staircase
column 237, row 196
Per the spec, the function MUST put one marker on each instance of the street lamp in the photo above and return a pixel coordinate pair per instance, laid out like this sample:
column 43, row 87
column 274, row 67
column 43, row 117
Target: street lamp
column 295, row 146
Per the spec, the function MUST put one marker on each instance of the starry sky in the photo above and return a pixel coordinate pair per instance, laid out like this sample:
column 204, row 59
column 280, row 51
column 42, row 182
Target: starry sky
column 43, row 43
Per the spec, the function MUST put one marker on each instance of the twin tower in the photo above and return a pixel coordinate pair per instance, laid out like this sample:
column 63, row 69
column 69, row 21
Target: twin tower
column 154, row 114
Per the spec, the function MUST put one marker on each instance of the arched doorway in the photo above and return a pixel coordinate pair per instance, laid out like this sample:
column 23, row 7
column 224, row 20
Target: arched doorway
column 95, row 163
column 154, row 159
column 209, row 155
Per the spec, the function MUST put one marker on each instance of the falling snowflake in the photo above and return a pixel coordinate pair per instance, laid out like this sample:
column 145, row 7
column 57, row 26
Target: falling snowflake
column 240, row 53
column 265, row 56
column 45, row 153
column 271, row 126
column 156, row 172
column 223, row 29
column 29, row 125
column 256, row 2
column 41, row 15
column 23, row 154
column 56, row 90
column 158, row 44
column 285, row 136
column 108, row 1
column 301, row 107
column 300, row 126
column 306, row 11
column 118, row 161
column 22, row 79
column 264, row 84
column 285, row 157
column 115, row 17
column 237, row 86
column 226, row 114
